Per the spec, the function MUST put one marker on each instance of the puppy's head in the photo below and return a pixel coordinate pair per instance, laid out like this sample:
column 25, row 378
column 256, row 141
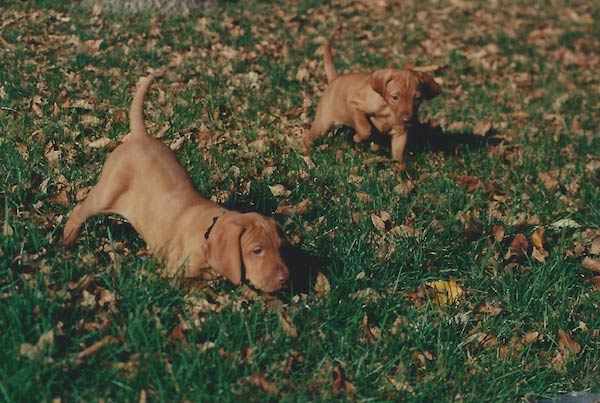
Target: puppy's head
column 404, row 90
column 248, row 246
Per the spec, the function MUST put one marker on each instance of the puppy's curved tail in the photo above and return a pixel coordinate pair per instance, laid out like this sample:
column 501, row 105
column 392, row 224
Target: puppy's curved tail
column 137, row 124
column 330, row 70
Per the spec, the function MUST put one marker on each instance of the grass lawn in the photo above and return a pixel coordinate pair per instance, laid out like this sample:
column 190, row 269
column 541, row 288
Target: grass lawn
column 469, row 275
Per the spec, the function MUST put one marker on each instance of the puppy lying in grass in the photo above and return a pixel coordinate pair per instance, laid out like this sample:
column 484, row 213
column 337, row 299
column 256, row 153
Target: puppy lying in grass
column 143, row 181
column 387, row 100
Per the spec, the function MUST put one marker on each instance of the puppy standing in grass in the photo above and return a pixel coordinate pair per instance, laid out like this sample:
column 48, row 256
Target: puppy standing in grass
column 143, row 181
column 387, row 99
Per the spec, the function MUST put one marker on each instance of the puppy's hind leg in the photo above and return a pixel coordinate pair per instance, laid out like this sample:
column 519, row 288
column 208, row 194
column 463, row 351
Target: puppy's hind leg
column 318, row 129
column 99, row 200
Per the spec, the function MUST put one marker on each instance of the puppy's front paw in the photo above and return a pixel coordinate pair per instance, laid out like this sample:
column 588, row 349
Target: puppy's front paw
column 399, row 167
column 358, row 138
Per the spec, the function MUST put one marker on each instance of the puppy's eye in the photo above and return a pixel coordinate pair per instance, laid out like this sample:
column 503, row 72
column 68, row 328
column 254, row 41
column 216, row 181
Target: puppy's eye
column 257, row 251
column 395, row 97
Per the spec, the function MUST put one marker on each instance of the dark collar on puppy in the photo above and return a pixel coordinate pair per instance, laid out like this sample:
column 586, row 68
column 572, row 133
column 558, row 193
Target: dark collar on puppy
column 207, row 233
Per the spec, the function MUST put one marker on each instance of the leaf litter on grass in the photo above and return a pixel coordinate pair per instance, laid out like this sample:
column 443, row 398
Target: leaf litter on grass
column 492, row 222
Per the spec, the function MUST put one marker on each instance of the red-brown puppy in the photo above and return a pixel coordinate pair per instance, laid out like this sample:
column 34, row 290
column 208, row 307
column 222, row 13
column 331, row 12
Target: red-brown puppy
column 143, row 181
column 387, row 99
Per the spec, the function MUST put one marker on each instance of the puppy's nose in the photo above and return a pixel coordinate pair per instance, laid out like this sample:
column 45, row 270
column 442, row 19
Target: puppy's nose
column 282, row 277
column 407, row 119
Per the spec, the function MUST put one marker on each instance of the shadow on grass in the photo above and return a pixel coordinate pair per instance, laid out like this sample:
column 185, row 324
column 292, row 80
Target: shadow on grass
column 304, row 267
column 423, row 137
column 434, row 138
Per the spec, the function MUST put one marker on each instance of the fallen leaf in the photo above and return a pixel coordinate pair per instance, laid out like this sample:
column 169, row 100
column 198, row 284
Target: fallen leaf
column 529, row 338
column 378, row 222
column 177, row 334
column 340, row 383
column 491, row 309
column 595, row 247
column 287, row 325
column 483, row 128
column 94, row 348
column 103, row 142
column 32, row 352
column 498, row 231
column 567, row 344
column 447, row 292
column 539, row 255
column 565, row 223
column 550, row 183
column 591, row 264
column 322, row 286
column 289, row 209
column 259, row 379
column 518, row 247
column 537, row 238
column 279, row 190
column 7, row 230
column 93, row 45
column 53, row 155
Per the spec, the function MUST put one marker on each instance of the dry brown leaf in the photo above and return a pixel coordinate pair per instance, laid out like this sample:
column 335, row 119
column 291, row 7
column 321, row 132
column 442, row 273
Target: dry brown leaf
column 259, row 379
column 7, row 230
column 595, row 247
column 498, row 231
column 279, row 190
column 565, row 223
column 491, row 309
column 82, row 283
column 340, row 383
column 37, row 109
column 591, row 264
column 550, row 183
column 94, row 348
column 539, row 255
column 287, row 325
column 106, row 297
column 518, row 247
column 32, row 352
column 370, row 334
column 537, row 238
column 567, row 344
column 322, row 286
column 53, row 155
column 177, row 333
column 483, row 128
column 92, row 45
column 378, row 222
column 103, row 142
column 530, row 337
column 290, row 209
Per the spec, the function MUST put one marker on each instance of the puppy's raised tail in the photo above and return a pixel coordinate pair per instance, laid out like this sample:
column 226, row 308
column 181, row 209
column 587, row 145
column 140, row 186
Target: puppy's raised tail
column 330, row 70
column 137, row 124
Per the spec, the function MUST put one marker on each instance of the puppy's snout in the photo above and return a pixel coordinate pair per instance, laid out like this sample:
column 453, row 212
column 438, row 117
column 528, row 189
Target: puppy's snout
column 280, row 278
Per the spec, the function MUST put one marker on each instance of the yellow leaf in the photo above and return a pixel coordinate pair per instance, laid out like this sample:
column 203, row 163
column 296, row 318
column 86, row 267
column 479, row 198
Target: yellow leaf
column 447, row 292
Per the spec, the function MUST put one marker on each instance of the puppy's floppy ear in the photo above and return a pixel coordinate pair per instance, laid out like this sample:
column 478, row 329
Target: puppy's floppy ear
column 429, row 88
column 223, row 251
column 379, row 80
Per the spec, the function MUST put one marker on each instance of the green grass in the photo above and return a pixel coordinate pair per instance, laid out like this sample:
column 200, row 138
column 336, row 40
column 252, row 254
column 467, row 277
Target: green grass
column 241, row 136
